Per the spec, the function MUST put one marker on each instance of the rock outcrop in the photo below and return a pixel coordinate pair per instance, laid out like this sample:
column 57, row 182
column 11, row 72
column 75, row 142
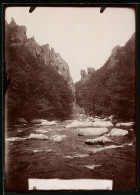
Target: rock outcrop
column 111, row 89
column 49, row 56
column 113, row 59
column 58, row 138
column 86, row 76
column 120, row 52
column 78, row 124
column 129, row 124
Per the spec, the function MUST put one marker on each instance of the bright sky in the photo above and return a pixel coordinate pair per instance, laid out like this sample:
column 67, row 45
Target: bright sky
column 83, row 36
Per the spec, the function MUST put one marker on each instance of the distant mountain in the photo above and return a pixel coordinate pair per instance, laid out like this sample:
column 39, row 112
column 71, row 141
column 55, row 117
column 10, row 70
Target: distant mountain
column 40, row 81
column 111, row 90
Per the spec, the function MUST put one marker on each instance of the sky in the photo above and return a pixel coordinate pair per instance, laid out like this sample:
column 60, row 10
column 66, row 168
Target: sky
column 83, row 36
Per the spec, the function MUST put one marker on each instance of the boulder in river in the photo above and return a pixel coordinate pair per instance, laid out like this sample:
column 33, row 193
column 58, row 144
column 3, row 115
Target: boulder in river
column 36, row 121
column 76, row 124
column 91, row 118
column 92, row 131
column 22, row 121
column 43, row 122
column 102, row 124
column 48, row 123
column 129, row 124
column 58, row 138
column 118, row 132
column 111, row 117
column 99, row 141
column 37, row 136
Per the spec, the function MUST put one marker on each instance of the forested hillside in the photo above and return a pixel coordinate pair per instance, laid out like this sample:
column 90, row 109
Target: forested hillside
column 40, row 82
column 111, row 89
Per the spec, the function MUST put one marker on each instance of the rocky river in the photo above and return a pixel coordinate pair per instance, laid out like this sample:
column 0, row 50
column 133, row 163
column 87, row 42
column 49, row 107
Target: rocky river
column 59, row 150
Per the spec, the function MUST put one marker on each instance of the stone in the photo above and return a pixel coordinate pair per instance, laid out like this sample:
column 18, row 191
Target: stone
column 37, row 136
column 22, row 121
column 129, row 124
column 92, row 131
column 100, row 123
column 43, row 122
column 76, row 124
column 48, row 123
column 91, row 119
column 118, row 132
column 99, row 141
column 58, row 138
column 105, row 119
column 111, row 117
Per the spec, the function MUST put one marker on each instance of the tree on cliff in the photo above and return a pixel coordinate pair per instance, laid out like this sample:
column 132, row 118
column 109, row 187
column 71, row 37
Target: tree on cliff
column 111, row 89
column 36, row 90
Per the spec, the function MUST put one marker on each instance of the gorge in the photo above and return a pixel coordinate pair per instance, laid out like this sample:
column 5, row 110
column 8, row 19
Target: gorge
column 57, row 129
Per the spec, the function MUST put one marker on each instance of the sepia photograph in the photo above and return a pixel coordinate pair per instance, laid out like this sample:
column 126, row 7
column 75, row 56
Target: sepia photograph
column 70, row 109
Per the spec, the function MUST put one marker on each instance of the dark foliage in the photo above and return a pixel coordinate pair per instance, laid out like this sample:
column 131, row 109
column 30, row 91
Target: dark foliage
column 35, row 90
column 111, row 89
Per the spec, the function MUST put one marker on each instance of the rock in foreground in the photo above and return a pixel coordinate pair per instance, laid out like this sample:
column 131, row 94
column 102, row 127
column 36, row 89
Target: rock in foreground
column 92, row 131
column 118, row 132
column 76, row 124
column 102, row 124
column 99, row 141
column 129, row 124
column 43, row 122
column 48, row 123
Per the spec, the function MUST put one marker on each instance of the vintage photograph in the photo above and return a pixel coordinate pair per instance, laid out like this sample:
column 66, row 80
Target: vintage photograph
column 70, row 98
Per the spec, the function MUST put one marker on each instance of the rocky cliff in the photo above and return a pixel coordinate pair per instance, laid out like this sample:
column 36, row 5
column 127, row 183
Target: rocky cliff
column 120, row 52
column 112, row 88
column 114, row 59
column 38, row 79
column 50, row 57
column 86, row 76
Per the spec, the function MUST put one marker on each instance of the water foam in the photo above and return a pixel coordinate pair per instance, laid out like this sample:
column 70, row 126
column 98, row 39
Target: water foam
column 41, row 131
column 37, row 150
column 95, row 150
column 15, row 139
column 50, row 150
column 77, row 156
column 91, row 166
column 71, row 157
column 31, row 136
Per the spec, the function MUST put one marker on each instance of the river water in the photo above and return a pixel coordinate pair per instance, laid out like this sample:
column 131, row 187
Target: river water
column 33, row 151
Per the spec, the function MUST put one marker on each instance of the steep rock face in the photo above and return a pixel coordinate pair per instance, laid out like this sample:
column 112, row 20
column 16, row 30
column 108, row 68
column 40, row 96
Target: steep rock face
column 120, row 52
column 50, row 57
column 18, row 32
column 113, row 59
column 83, row 76
column 37, row 79
column 45, row 53
column 62, row 67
